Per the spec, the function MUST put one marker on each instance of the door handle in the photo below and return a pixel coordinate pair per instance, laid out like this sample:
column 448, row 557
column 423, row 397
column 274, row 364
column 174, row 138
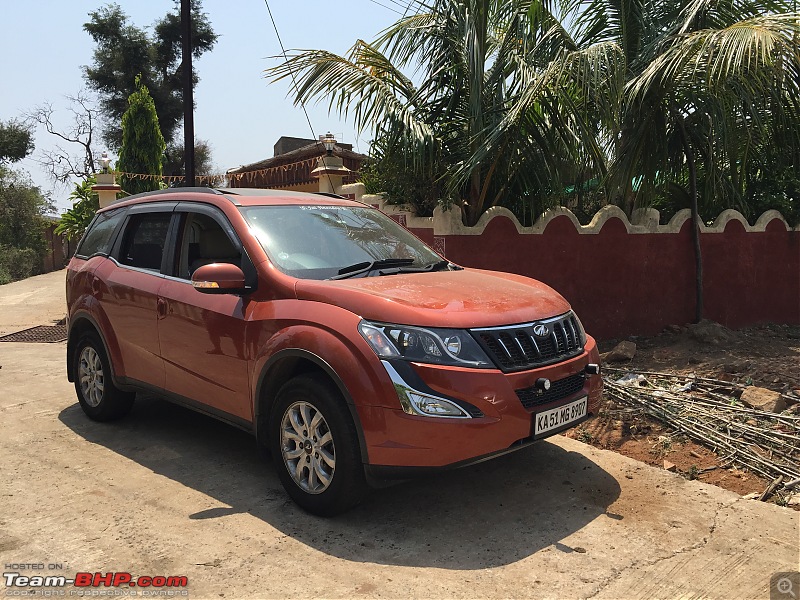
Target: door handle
column 161, row 308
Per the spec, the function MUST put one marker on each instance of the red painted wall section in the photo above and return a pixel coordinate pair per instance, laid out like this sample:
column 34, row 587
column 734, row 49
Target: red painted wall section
column 752, row 277
column 624, row 283
column 426, row 235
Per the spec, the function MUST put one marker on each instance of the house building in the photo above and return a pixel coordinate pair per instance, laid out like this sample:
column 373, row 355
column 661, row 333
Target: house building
column 303, row 165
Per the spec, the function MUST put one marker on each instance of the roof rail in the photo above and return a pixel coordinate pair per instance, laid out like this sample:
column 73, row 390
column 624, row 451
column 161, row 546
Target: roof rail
column 194, row 190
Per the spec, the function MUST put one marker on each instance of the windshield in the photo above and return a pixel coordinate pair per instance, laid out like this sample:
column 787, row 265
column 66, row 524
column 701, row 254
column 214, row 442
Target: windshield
column 316, row 242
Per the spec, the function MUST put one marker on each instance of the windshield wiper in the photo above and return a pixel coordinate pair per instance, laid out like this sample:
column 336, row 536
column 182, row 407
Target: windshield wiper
column 442, row 265
column 366, row 267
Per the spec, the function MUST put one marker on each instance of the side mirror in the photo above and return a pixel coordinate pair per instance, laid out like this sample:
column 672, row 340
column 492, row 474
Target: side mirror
column 219, row 278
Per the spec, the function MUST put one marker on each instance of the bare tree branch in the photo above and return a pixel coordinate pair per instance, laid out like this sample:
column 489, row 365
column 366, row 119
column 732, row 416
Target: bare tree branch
column 75, row 157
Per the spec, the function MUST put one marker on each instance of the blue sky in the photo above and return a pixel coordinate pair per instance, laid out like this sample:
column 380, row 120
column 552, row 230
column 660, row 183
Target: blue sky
column 242, row 115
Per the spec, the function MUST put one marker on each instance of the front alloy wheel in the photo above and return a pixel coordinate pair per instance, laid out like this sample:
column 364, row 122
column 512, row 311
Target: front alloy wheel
column 307, row 447
column 314, row 444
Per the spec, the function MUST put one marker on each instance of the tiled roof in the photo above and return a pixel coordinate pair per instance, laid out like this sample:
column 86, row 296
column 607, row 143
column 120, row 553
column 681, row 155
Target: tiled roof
column 311, row 150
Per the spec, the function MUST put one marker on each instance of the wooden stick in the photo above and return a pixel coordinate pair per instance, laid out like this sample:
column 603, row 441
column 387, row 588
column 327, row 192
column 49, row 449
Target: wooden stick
column 771, row 488
column 682, row 419
column 790, row 485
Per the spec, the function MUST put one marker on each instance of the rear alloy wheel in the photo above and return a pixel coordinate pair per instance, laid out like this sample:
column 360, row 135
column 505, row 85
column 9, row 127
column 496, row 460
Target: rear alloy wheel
column 91, row 376
column 99, row 398
column 315, row 446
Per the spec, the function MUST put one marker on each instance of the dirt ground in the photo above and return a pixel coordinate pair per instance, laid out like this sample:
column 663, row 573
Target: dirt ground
column 766, row 356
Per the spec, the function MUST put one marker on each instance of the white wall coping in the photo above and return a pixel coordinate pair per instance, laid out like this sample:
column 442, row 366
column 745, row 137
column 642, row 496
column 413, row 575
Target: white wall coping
column 449, row 222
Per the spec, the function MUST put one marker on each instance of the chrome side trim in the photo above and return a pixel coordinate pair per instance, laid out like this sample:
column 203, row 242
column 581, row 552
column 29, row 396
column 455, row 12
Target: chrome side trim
column 158, row 274
column 177, row 279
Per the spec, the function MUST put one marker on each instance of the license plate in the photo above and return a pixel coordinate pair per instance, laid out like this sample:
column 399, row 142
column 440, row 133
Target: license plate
column 555, row 418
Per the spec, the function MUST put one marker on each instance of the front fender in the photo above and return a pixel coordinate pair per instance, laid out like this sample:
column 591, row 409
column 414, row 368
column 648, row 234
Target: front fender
column 354, row 367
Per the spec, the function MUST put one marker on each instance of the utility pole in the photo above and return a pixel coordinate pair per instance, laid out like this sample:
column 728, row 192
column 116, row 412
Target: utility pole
column 188, row 92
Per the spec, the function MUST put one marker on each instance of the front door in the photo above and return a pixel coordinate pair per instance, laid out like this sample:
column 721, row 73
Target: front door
column 203, row 337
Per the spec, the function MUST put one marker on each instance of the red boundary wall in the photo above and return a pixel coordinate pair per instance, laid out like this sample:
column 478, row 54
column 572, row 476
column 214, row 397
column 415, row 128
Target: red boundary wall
column 58, row 250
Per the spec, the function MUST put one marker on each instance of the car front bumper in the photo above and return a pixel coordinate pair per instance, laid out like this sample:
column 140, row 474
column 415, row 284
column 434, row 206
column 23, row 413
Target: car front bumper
column 404, row 443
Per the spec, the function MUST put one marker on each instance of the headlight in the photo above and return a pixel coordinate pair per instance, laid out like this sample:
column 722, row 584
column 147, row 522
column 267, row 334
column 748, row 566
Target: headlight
column 454, row 347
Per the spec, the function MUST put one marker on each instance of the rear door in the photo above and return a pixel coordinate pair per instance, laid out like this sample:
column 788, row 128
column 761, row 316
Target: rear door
column 132, row 280
column 202, row 336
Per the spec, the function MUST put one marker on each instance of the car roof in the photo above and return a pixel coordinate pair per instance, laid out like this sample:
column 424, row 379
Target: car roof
column 238, row 197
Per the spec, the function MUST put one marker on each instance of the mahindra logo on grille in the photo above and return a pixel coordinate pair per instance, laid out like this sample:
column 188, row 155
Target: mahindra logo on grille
column 541, row 330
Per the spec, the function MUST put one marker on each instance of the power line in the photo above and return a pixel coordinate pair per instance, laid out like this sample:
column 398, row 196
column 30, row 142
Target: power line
column 406, row 6
column 397, row 12
column 296, row 87
column 405, row 12
column 397, row 3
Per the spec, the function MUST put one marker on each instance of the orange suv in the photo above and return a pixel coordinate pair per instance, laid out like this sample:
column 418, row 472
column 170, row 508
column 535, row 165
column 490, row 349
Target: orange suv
column 351, row 350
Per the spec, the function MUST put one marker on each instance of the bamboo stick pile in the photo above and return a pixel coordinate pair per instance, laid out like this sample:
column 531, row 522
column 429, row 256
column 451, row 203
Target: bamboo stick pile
column 709, row 412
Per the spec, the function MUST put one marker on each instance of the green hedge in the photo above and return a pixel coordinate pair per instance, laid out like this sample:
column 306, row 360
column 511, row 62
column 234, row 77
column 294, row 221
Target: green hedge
column 18, row 263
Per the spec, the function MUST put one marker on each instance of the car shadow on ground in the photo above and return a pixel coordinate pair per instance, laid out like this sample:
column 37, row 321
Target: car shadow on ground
column 487, row 515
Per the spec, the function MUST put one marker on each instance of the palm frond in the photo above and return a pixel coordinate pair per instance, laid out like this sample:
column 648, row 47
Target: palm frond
column 365, row 85
column 752, row 50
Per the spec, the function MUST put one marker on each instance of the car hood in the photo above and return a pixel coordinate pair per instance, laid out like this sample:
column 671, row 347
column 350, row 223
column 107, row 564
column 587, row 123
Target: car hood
column 463, row 299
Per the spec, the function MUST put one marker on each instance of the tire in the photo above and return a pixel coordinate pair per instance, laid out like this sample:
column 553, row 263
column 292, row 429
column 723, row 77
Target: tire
column 315, row 448
column 99, row 398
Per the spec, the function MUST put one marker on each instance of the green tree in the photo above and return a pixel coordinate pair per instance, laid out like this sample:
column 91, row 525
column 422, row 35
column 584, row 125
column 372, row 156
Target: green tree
column 85, row 203
column 124, row 51
column 506, row 108
column 174, row 162
column 392, row 171
column 142, row 143
column 16, row 141
column 22, row 210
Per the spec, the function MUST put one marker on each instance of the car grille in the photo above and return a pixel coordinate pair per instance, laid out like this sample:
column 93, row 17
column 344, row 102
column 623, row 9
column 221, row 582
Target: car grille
column 517, row 348
column 532, row 397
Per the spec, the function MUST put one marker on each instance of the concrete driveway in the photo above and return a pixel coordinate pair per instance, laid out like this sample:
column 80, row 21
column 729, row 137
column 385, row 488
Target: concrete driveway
column 169, row 492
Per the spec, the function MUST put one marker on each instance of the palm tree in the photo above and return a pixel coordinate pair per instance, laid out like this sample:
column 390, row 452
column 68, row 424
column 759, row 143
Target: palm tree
column 506, row 101
column 85, row 203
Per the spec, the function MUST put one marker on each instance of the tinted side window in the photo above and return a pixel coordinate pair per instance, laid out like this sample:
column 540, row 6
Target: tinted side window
column 143, row 244
column 98, row 238
column 202, row 242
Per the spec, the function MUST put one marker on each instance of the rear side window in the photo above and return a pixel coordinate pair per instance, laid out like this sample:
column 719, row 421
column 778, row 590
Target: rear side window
column 144, row 240
column 98, row 238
